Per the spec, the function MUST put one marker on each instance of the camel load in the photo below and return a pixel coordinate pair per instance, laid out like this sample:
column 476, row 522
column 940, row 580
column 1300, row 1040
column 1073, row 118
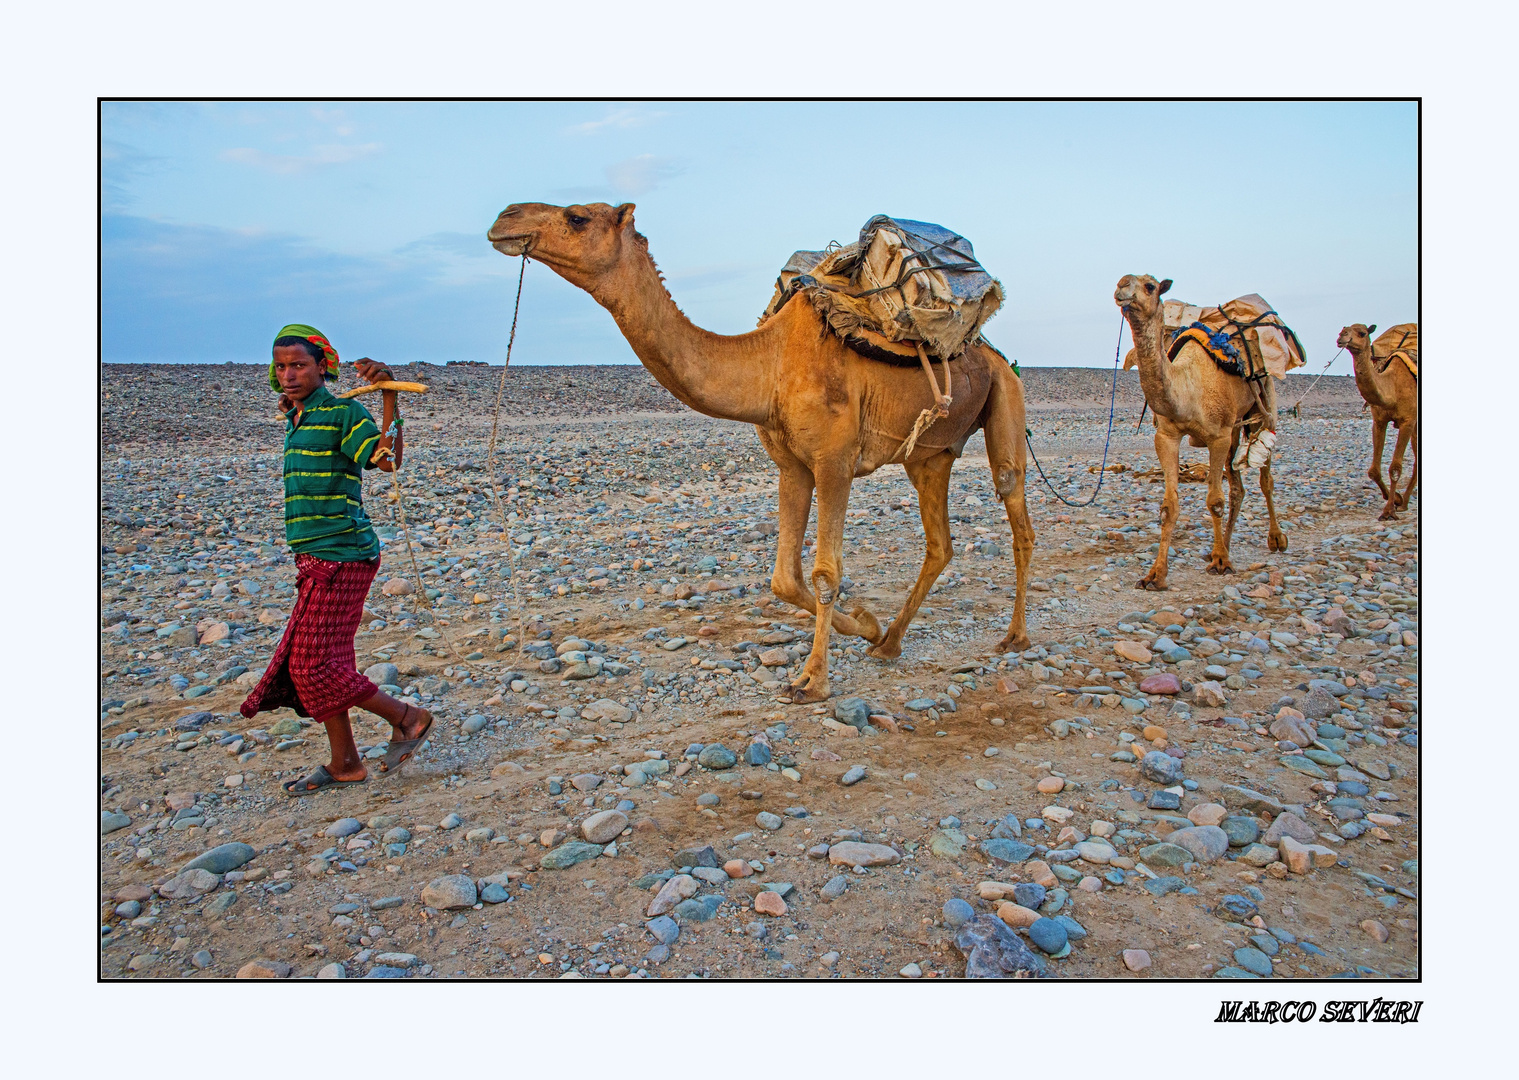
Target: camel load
column 900, row 285
column 1399, row 342
column 1244, row 336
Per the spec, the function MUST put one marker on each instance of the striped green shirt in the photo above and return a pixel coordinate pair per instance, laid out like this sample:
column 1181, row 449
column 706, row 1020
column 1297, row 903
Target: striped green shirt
column 324, row 458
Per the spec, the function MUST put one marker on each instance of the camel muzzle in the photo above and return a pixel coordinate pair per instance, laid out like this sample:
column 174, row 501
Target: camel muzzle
column 510, row 245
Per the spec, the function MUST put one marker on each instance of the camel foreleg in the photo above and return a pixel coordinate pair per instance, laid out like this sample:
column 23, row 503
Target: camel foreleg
column 787, row 580
column 1168, row 450
column 931, row 479
column 827, row 572
column 1378, row 437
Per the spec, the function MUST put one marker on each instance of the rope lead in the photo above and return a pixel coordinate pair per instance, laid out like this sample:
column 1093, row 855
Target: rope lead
column 1103, row 471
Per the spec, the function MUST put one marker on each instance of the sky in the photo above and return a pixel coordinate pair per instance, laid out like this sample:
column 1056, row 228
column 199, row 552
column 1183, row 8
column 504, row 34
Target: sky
column 223, row 221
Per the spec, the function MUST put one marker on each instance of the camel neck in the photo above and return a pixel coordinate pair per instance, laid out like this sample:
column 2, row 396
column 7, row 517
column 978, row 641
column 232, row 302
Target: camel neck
column 1375, row 388
column 729, row 377
column 1154, row 368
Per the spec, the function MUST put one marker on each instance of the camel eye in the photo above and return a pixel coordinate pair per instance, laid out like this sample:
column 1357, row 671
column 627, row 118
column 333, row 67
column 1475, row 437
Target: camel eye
column 576, row 220
column 1149, row 287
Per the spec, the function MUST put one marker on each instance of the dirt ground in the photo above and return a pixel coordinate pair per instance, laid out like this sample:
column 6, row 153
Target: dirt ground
column 638, row 522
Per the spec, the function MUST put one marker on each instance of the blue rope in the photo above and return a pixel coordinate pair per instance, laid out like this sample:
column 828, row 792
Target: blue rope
column 1102, row 472
column 1218, row 339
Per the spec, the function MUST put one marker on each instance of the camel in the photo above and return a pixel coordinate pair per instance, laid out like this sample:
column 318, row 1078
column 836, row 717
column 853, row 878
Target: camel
column 1393, row 397
column 825, row 415
column 1192, row 396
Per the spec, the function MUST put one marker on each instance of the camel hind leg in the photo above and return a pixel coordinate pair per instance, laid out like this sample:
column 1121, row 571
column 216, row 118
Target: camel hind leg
column 1219, row 460
column 1413, row 476
column 930, row 477
column 1276, row 540
column 1007, row 454
column 1394, row 474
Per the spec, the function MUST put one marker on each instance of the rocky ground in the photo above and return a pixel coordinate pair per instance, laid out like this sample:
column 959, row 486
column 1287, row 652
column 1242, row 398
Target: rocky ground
column 1220, row 780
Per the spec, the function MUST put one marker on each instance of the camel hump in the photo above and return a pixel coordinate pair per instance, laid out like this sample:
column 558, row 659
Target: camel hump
column 901, row 283
column 1401, row 343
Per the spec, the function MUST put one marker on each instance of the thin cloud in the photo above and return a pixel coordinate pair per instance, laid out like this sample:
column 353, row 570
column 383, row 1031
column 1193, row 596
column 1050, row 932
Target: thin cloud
column 642, row 174
column 224, row 291
column 618, row 118
column 121, row 166
column 289, row 164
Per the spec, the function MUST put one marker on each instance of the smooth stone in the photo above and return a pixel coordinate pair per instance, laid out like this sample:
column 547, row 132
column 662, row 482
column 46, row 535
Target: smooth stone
column 222, row 859
column 853, row 853
column 1161, row 886
column 452, row 891
column 1029, row 894
column 343, row 827
column 1006, row 851
column 677, row 889
column 1258, row 855
column 110, row 821
column 852, row 711
column 1289, row 824
column 188, row 884
column 1242, row 831
column 766, row 820
column 853, row 776
column 1161, row 768
column 664, row 929
column 835, row 887
column 956, row 913
column 494, row 893
column 1208, row 843
column 948, row 843
column 1165, row 854
column 604, row 827
column 1048, row 934
column 699, row 909
column 1207, row 814
column 570, row 854
column 1253, row 960
column 717, row 757
column 1163, row 683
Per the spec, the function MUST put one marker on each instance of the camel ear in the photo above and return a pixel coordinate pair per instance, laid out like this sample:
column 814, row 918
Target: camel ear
column 1372, row 329
column 1165, row 287
column 625, row 214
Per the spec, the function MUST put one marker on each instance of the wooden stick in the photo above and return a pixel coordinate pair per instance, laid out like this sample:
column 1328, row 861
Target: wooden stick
column 386, row 384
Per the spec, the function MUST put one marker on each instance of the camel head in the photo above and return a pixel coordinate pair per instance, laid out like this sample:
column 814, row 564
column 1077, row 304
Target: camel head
column 1140, row 295
column 580, row 242
column 1356, row 337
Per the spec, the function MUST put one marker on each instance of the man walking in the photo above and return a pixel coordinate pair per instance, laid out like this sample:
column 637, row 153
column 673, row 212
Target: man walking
column 329, row 441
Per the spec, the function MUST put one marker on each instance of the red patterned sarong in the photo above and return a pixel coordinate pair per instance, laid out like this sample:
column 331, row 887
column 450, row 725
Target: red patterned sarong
column 312, row 670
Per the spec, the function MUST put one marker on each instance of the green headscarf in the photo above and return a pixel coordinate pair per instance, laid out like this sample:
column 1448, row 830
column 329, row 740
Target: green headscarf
column 317, row 338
